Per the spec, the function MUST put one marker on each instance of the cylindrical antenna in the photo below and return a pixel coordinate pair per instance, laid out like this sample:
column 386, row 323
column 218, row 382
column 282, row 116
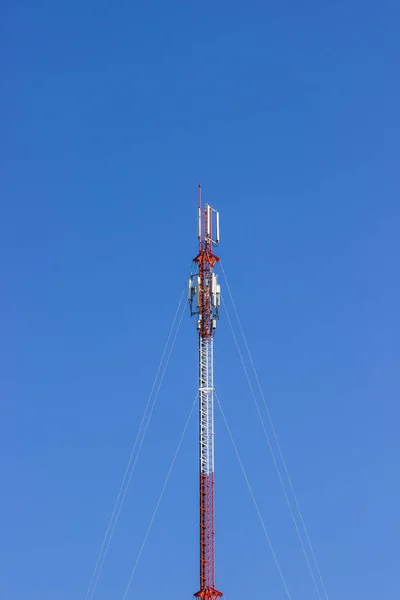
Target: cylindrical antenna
column 199, row 211
column 199, row 224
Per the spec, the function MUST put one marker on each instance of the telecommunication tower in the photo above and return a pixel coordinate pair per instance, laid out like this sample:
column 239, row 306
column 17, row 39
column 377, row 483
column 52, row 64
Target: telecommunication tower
column 204, row 297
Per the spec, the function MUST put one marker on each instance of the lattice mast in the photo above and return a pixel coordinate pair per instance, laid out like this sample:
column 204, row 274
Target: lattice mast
column 204, row 298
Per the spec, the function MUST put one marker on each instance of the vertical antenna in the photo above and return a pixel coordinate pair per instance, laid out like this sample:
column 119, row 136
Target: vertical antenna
column 199, row 211
column 204, row 293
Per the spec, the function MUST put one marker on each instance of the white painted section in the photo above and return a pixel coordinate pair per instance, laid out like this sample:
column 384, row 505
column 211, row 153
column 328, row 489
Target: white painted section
column 206, row 400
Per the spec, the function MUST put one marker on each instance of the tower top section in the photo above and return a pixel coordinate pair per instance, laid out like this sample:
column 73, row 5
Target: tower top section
column 204, row 292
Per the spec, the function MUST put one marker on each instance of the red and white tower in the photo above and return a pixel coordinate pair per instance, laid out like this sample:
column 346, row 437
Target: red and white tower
column 204, row 299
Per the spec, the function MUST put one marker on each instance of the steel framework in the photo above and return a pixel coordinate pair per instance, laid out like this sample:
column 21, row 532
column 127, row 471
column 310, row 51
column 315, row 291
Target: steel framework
column 204, row 299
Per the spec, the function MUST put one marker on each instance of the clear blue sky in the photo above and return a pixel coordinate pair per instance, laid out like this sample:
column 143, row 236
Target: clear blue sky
column 288, row 112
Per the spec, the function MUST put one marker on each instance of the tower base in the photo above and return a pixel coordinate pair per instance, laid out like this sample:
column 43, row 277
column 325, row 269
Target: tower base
column 208, row 593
